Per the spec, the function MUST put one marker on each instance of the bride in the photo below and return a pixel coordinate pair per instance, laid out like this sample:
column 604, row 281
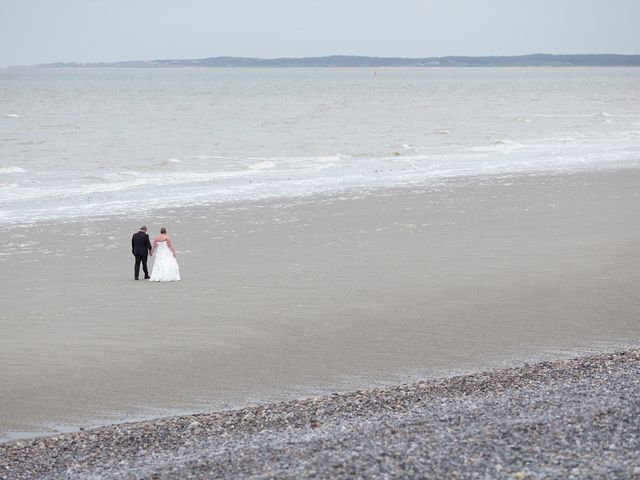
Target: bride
column 165, row 268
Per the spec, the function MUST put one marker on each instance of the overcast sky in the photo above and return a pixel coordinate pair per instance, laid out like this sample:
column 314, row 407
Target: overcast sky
column 41, row 31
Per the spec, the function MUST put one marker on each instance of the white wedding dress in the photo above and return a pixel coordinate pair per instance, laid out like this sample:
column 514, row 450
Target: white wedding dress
column 165, row 267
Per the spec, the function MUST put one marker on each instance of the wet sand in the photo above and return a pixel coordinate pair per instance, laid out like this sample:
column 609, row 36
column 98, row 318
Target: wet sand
column 286, row 299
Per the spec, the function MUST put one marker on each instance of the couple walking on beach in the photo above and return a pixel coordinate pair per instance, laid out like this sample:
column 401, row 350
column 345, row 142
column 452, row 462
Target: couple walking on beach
column 165, row 267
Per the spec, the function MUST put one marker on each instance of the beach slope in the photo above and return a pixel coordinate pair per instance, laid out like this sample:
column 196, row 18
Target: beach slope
column 568, row 418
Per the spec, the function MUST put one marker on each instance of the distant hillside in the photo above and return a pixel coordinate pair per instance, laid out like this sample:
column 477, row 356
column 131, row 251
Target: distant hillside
column 536, row 60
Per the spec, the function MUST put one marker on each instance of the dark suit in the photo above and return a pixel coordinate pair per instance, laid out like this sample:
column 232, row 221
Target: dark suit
column 140, row 247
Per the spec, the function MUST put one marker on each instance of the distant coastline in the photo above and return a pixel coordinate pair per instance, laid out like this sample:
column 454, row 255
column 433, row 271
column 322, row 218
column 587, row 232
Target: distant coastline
column 534, row 60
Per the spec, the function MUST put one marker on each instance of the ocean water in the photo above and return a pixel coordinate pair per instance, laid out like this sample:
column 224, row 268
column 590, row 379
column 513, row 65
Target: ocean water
column 77, row 142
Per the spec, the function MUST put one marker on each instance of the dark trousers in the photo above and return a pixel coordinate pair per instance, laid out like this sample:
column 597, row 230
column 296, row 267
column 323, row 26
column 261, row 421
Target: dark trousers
column 141, row 258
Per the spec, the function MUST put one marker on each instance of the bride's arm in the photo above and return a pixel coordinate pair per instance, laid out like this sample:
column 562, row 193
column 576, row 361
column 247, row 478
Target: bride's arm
column 170, row 245
column 155, row 245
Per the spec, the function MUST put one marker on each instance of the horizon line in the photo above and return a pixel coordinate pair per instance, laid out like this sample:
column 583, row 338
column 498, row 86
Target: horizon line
column 158, row 61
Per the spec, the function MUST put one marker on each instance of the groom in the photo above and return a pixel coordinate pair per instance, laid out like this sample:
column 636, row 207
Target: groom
column 141, row 247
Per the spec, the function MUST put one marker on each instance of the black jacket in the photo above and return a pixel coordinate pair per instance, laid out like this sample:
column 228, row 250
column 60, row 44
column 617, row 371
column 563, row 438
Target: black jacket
column 140, row 244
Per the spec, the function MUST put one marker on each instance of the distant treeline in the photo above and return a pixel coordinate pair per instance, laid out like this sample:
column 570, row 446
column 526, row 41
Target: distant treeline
column 536, row 60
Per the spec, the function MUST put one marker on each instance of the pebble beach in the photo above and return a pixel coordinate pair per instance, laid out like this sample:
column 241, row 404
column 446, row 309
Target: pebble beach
column 574, row 418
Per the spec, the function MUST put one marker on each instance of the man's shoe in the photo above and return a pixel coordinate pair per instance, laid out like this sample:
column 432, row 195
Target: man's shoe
column 147, row 278
column 135, row 279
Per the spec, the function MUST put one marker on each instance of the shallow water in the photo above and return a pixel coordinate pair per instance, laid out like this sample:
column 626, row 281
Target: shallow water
column 76, row 142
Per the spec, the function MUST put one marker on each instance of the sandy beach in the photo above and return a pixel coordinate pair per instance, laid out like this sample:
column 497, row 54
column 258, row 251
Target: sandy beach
column 290, row 299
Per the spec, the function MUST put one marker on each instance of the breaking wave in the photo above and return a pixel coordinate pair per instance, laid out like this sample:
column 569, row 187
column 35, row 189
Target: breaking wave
column 12, row 170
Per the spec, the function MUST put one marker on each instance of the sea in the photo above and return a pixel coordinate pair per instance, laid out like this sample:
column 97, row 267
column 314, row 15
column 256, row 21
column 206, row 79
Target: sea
column 112, row 141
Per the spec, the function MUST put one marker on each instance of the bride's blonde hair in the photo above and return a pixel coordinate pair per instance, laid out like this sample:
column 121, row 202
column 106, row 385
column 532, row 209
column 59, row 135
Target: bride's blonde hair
column 163, row 230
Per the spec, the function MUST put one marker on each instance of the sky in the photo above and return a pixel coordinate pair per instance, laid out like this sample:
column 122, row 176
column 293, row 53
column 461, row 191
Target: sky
column 44, row 31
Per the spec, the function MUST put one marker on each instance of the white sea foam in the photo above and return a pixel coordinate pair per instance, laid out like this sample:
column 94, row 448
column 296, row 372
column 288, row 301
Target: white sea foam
column 330, row 158
column 11, row 115
column 582, row 115
column 174, row 160
column 214, row 157
column 503, row 146
column 12, row 170
column 263, row 165
column 124, row 173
